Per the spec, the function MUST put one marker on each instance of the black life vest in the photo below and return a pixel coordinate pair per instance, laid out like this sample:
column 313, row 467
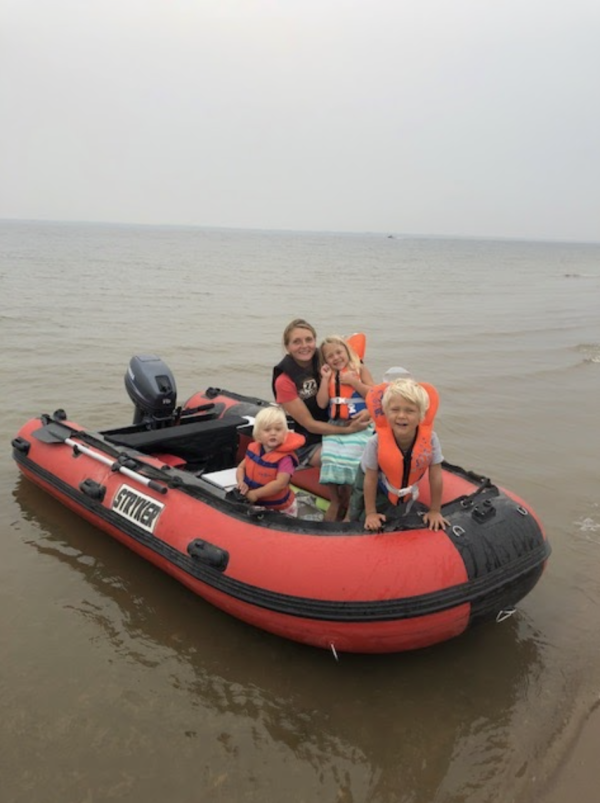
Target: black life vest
column 307, row 383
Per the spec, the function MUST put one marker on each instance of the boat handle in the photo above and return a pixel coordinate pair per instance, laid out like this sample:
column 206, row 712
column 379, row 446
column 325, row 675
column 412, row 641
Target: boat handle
column 21, row 445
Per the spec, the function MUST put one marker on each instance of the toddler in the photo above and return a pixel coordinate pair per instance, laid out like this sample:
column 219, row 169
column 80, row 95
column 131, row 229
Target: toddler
column 264, row 474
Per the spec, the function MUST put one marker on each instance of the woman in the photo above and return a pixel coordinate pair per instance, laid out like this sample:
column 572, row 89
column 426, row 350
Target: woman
column 296, row 381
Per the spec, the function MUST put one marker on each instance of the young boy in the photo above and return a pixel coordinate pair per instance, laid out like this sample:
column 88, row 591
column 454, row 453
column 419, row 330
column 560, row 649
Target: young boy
column 264, row 474
column 401, row 451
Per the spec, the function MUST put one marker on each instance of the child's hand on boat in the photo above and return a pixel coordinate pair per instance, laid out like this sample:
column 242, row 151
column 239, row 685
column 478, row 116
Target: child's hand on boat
column 434, row 520
column 374, row 521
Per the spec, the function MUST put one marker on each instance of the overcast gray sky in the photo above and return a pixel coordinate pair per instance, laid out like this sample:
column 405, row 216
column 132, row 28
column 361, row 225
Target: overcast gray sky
column 457, row 117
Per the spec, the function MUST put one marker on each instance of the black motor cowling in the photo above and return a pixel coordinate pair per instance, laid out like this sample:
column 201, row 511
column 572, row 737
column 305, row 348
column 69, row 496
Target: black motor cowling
column 151, row 387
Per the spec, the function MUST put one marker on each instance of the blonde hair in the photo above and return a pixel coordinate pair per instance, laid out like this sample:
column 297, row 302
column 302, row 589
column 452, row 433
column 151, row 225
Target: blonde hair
column 338, row 340
column 266, row 417
column 297, row 323
column 407, row 389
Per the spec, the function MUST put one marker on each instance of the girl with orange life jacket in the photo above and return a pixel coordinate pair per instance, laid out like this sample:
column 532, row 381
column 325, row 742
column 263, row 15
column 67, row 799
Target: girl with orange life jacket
column 345, row 381
column 342, row 363
column 264, row 474
column 404, row 448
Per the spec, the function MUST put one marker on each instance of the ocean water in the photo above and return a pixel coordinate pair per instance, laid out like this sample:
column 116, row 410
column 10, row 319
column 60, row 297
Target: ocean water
column 118, row 684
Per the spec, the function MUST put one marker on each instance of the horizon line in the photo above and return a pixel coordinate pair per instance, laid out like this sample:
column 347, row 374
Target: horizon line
column 364, row 232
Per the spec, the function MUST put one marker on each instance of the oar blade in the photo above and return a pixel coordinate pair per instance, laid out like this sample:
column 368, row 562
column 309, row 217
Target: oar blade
column 52, row 433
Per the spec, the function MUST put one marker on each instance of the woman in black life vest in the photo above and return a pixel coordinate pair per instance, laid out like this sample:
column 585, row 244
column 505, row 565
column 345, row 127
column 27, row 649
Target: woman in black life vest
column 296, row 382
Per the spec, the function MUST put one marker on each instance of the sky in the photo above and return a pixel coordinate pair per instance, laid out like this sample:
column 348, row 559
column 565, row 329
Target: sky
column 428, row 117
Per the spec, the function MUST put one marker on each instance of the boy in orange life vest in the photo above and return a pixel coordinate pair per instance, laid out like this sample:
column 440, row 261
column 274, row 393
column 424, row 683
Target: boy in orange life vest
column 400, row 453
column 264, row 474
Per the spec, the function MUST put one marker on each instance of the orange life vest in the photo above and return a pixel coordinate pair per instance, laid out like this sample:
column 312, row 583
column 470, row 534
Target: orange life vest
column 392, row 462
column 346, row 402
column 358, row 342
column 261, row 467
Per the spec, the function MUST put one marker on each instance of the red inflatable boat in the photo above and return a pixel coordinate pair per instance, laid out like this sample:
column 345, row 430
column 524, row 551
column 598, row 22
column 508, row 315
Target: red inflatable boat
column 163, row 485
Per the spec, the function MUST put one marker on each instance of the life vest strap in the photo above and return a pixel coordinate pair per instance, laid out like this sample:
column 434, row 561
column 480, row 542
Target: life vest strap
column 410, row 490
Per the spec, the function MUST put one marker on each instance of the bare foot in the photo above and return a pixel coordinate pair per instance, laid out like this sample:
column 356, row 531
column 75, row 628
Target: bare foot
column 331, row 512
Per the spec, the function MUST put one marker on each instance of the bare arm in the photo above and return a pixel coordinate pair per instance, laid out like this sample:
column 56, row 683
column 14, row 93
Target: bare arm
column 366, row 380
column 434, row 517
column 361, row 383
column 239, row 477
column 323, row 393
column 280, row 483
column 301, row 414
column 373, row 519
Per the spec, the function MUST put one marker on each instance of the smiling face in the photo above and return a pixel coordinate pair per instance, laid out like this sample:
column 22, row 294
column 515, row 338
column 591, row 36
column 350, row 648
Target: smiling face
column 301, row 345
column 272, row 435
column 336, row 356
column 404, row 417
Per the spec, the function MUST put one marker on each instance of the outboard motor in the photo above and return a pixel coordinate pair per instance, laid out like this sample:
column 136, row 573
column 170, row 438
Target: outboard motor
column 151, row 387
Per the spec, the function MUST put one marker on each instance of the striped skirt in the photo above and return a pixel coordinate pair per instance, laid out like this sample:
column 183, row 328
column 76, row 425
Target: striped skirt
column 341, row 455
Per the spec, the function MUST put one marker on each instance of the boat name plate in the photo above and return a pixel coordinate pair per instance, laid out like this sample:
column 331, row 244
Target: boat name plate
column 137, row 507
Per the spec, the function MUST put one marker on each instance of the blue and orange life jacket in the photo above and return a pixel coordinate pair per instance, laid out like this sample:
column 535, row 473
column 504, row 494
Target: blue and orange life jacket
column 262, row 467
column 401, row 471
column 344, row 401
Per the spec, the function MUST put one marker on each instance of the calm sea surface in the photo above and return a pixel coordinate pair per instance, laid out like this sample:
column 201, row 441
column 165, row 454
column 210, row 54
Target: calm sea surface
column 118, row 684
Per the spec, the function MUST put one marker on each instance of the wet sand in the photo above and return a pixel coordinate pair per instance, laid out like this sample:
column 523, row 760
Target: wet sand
column 577, row 774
